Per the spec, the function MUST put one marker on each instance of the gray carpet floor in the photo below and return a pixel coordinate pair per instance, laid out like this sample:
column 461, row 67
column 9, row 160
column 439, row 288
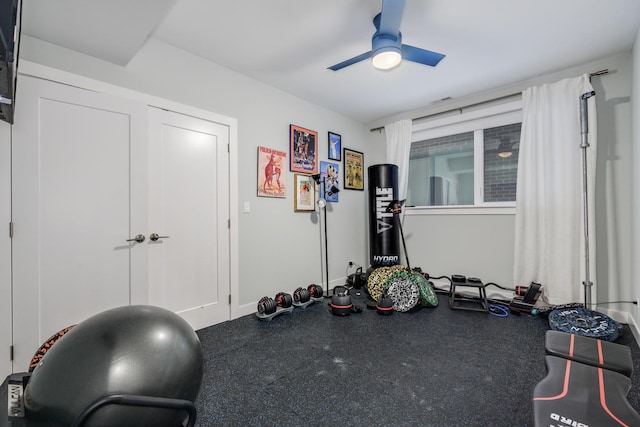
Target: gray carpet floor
column 431, row 367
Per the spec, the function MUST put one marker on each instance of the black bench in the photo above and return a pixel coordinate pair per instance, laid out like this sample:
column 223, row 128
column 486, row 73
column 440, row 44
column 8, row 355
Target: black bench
column 575, row 394
column 591, row 351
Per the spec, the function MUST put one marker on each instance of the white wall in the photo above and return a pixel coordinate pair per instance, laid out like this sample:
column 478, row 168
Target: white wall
column 613, row 187
column 482, row 245
column 5, row 247
column 279, row 250
column 635, row 195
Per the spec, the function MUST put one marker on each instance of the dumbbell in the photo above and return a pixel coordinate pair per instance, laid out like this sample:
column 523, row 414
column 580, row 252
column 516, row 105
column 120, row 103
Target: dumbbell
column 283, row 300
column 301, row 295
column 267, row 305
column 315, row 291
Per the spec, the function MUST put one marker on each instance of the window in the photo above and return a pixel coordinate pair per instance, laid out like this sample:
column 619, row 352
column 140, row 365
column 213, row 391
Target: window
column 501, row 163
column 466, row 160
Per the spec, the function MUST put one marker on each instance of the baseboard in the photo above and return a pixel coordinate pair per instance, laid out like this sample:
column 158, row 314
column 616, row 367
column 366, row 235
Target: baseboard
column 623, row 317
column 634, row 327
column 251, row 307
column 246, row 309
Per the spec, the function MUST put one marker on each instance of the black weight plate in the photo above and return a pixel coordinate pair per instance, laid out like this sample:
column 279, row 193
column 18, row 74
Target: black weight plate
column 301, row 295
column 296, row 294
column 262, row 305
column 271, row 306
column 282, row 300
column 287, row 300
column 588, row 323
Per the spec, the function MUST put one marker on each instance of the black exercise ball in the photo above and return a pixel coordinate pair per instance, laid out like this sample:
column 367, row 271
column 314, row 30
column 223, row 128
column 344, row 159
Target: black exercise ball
column 132, row 350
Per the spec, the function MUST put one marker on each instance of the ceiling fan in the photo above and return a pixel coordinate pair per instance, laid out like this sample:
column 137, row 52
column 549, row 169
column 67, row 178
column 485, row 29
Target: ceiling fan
column 387, row 49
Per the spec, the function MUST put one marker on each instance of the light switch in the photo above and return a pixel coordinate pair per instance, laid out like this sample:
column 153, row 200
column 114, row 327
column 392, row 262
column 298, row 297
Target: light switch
column 247, row 207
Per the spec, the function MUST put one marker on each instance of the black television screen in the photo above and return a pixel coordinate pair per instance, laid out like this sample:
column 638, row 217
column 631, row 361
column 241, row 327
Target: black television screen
column 8, row 50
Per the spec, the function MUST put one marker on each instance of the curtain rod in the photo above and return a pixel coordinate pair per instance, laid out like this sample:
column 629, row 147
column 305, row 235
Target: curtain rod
column 500, row 98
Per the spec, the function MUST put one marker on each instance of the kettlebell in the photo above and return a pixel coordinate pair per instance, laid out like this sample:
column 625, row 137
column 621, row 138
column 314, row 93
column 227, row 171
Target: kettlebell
column 341, row 301
column 385, row 306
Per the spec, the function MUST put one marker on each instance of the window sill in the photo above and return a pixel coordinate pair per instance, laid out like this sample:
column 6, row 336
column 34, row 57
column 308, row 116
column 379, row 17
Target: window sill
column 460, row 210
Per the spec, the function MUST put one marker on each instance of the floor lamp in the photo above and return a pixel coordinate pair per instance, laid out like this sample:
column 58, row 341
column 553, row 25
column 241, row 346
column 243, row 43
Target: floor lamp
column 322, row 206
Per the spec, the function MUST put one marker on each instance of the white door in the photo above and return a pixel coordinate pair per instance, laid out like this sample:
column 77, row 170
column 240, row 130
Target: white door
column 189, row 210
column 5, row 249
column 79, row 193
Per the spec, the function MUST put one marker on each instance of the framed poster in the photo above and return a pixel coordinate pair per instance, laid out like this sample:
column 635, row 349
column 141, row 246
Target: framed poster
column 304, row 198
column 303, row 150
column 335, row 146
column 353, row 170
column 329, row 181
column 271, row 180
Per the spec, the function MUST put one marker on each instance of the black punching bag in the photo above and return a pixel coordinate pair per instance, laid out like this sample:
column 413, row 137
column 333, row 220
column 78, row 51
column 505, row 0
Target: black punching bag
column 384, row 237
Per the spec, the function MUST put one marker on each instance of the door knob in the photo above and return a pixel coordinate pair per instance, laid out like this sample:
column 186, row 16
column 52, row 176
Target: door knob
column 154, row 237
column 139, row 238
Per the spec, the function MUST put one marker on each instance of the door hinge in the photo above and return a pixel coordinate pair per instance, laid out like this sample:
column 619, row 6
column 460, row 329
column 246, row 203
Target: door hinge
column 11, row 230
column 228, row 148
column 229, row 298
column 229, row 223
column 11, row 353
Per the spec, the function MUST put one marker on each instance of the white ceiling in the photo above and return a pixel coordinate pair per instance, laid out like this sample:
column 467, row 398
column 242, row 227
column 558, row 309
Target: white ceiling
column 290, row 43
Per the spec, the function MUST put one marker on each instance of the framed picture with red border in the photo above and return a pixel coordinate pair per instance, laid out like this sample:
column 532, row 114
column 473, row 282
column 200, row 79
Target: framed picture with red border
column 271, row 181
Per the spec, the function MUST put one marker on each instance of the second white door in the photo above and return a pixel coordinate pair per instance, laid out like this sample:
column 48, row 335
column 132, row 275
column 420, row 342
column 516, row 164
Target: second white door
column 188, row 217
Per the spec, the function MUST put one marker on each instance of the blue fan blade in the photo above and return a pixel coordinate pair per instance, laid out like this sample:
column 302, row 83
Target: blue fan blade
column 391, row 16
column 350, row 61
column 421, row 56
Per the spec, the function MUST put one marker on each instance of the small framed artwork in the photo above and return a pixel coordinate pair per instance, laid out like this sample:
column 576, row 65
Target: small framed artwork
column 329, row 181
column 335, row 146
column 304, row 198
column 353, row 170
column 303, row 150
column 271, row 180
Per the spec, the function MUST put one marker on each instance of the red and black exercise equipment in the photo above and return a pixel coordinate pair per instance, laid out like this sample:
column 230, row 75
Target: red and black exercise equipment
column 587, row 383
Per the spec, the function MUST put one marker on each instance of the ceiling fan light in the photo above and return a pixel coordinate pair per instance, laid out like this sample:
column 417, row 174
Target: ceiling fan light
column 387, row 59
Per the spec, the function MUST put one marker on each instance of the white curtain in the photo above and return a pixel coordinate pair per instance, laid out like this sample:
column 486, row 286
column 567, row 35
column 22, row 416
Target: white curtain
column 398, row 147
column 549, row 228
